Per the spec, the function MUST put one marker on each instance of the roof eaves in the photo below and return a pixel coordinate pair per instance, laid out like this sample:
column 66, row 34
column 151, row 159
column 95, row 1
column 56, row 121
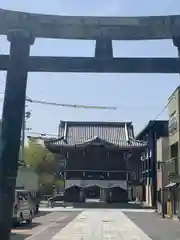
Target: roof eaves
column 51, row 141
column 141, row 142
column 150, row 124
column 98, row 141
column 145, row 129
column 91, row 123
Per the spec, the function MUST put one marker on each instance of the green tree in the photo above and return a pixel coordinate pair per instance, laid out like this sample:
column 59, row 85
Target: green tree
column 43, row 162
column 39, row 158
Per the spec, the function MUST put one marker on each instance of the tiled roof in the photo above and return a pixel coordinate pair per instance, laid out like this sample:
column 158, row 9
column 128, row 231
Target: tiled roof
column 118, row 134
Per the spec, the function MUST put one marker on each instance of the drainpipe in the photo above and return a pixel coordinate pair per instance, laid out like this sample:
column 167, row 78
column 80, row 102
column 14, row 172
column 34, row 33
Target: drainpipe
column 65, row 132
column 126, row 133
column 162, row 189
column 126, row 156
column 65, row 139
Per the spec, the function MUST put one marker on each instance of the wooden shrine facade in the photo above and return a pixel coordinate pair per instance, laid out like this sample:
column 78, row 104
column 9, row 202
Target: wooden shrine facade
column 103, row 154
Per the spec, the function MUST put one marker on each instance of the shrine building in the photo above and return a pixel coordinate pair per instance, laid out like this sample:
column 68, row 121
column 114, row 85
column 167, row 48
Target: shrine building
column 100, row 159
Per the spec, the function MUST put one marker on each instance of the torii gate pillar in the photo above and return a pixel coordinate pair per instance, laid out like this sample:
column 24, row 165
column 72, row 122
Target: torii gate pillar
column 13, row 110
column 176, row 43
column 103, row 48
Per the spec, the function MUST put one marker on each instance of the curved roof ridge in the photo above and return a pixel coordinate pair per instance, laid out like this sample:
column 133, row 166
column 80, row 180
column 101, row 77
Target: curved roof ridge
column 102, row 123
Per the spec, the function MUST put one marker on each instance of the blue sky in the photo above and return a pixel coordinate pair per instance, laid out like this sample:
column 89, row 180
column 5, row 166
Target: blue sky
column 139, row 97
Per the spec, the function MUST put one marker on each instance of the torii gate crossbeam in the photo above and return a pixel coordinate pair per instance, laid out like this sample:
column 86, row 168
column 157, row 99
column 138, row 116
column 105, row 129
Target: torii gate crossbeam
column 90, row 64
column 78, row 27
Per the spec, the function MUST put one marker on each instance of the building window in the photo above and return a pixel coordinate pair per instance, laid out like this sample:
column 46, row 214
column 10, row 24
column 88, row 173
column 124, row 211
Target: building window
column 173, row 123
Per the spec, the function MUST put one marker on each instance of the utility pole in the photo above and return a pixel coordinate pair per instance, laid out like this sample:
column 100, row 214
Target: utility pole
column 22, row 139
column 26, row 116
column 12, row 115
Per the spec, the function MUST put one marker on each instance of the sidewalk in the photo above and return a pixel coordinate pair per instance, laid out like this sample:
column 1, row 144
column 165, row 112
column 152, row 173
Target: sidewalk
column 101, row 224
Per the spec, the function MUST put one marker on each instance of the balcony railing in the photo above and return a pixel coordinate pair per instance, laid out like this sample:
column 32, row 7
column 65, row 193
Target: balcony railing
column 173, row 126
column 172, row 167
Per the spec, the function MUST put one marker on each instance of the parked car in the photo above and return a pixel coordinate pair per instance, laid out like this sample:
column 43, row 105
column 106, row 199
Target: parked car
column 56, row 200
column 22, row 208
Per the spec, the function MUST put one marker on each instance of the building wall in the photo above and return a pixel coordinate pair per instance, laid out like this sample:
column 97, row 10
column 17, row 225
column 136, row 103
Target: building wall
column 95, row 164
column 162, row 170
column 174, row 111
column 153, row 131
column 91, row 158
column 174, row 138
column 148, row 162
column 163, row 149
column 101, row 183
column 162, row 156
column 174, row 115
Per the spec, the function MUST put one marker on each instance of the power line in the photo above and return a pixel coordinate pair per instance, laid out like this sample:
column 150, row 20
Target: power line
column 162, row 111
column 71, row 105
column 41, row 134
column 54, row 135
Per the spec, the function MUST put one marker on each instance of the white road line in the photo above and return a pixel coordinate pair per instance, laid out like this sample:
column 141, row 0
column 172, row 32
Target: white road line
column 44, row 228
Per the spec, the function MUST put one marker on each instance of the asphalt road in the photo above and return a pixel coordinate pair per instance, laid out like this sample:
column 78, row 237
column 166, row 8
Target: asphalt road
column 44, row 226
column 145, row 224
column 154, row 226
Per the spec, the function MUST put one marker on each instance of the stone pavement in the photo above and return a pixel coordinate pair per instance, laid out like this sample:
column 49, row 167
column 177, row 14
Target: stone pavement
column 102, row 224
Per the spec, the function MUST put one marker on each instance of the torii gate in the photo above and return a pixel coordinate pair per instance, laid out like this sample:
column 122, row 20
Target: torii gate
column 22, row 29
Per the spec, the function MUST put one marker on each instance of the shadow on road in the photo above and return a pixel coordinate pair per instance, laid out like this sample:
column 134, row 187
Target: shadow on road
column 25, row 226
column 24, row 230
column 34, row 224
column 110, row 205
column 16, row 236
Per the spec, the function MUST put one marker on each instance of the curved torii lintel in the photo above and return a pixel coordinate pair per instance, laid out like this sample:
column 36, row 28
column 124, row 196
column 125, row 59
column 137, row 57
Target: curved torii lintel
column 78, row 27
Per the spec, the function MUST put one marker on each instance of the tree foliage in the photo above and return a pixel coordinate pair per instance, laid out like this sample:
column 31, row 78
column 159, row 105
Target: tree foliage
column 43, row 162
column 39, row 158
